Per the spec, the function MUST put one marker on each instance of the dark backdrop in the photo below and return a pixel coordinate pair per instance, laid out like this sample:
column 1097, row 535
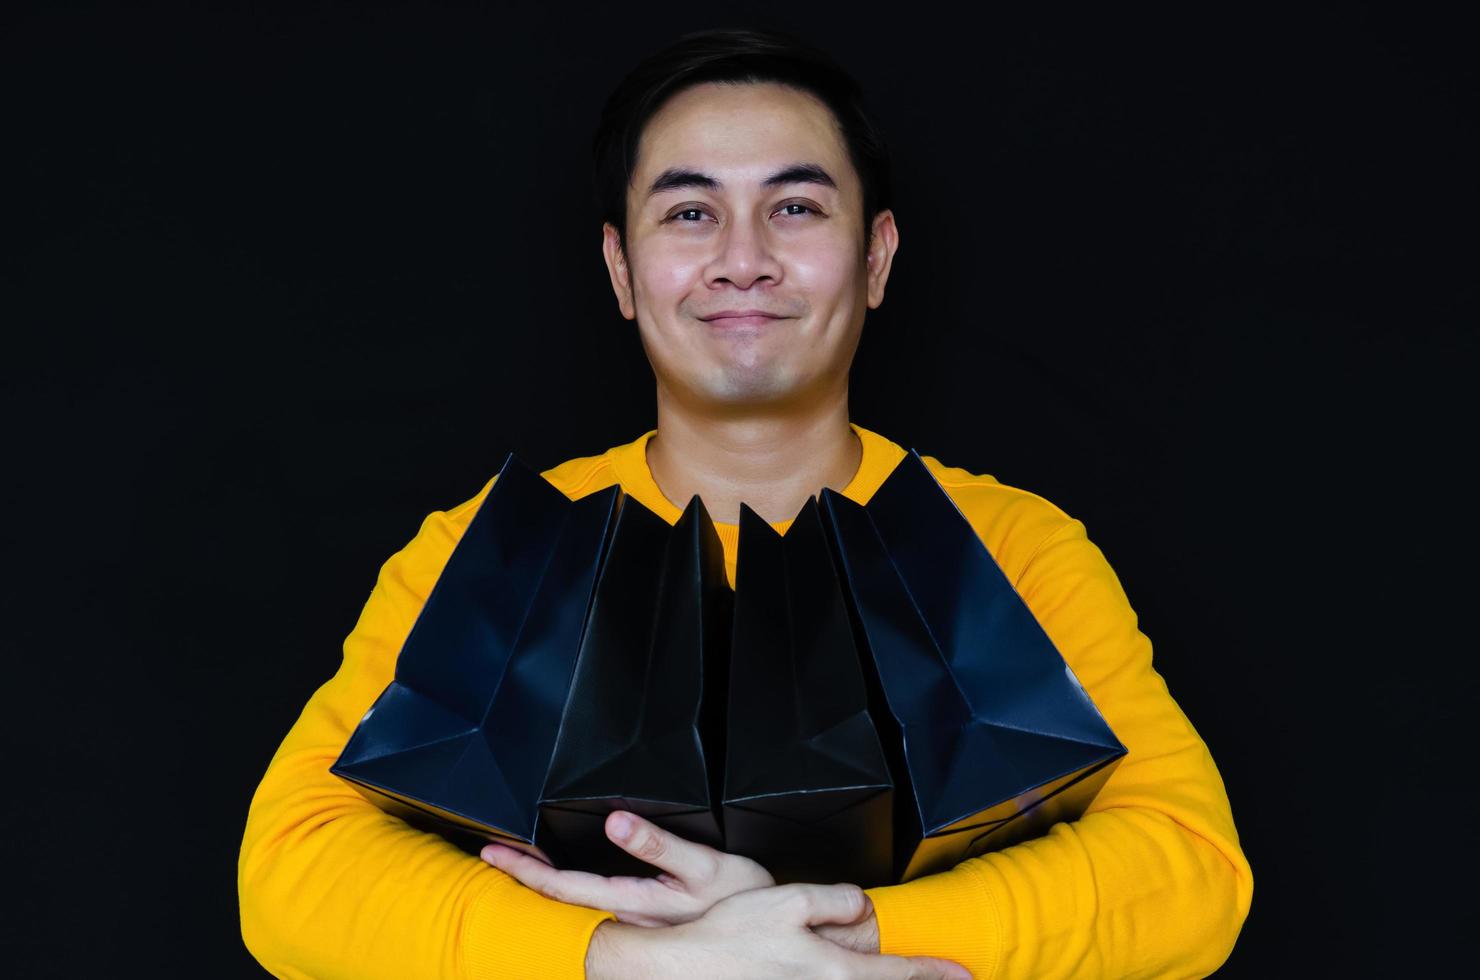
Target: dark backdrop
column 281, row 284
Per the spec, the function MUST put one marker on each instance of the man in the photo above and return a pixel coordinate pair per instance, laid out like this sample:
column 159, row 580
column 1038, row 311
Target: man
column 747, row 232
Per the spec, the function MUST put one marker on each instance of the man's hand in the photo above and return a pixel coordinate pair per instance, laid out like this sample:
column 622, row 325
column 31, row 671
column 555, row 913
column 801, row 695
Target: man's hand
column 763, row 932
column 695, row 876
column 861, row 936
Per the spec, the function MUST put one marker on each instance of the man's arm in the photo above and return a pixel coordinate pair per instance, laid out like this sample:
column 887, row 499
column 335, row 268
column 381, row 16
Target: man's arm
column 332, row 886
column 1151, row 881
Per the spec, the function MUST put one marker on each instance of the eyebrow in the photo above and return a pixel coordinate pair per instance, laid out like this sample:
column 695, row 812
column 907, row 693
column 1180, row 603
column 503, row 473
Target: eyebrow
column 675, row 178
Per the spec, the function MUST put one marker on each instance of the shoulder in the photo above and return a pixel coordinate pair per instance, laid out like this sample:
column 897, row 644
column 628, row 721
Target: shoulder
column 1013, row 522
column 575, row 478
column 442, row 529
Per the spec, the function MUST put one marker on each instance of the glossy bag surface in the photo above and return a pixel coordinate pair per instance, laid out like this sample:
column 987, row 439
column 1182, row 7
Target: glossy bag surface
column 992, row 737
column 643, row 726
column 463, row 736
column 874, row 703
column 807, row 788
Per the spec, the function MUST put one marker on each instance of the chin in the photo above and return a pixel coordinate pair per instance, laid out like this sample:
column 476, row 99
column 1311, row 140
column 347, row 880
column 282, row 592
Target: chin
column 756, row 391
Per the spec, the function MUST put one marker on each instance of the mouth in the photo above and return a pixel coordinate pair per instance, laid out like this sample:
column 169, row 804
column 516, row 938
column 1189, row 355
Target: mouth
column 743, row 321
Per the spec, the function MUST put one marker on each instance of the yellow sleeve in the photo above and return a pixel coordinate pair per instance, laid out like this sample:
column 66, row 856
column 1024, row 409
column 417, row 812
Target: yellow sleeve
column 330, row 885
column 1151, row 881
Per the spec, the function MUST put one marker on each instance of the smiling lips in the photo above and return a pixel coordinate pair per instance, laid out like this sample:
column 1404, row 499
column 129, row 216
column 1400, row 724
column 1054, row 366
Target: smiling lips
column 742, row 318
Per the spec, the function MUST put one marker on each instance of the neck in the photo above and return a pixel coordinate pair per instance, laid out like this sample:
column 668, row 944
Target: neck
column 772, row 463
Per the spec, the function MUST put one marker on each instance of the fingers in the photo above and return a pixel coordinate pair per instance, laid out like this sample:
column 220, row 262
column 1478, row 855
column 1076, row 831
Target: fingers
column 839, row 904
column 573, row 887
column 845, row 903
column 641, row 901
column 874, row 967
column 523, row 848
column 847, row 937
column 686, row 860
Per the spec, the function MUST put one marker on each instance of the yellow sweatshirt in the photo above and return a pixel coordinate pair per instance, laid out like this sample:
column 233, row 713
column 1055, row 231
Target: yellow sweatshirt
column 1151, row 882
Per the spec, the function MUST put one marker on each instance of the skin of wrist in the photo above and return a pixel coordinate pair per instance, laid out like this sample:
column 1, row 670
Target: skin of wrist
column 612, row 953
column 622, row 951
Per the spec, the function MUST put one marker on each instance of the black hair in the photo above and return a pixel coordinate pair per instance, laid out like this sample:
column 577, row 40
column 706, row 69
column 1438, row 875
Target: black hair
column 736, row 56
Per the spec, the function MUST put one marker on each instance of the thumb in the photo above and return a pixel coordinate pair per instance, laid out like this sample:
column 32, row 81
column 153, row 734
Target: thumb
column 879, row 967
column 839, row 904
column 930, row 966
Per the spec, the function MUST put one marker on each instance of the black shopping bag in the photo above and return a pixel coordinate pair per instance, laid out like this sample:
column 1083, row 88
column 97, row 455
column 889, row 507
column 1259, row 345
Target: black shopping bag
column 643, row 727
column 807, row 787
column 995, row 737
column 465, row 732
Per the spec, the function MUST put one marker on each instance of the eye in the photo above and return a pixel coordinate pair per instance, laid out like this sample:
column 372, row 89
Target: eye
column 677, row 216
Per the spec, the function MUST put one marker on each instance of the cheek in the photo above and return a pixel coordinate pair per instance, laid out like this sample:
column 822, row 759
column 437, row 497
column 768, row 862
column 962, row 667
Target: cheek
column 826, row 266
column 668, row 273
column 828, row 279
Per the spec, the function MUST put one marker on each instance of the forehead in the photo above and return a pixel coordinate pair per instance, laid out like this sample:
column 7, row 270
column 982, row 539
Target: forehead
column 740, row 133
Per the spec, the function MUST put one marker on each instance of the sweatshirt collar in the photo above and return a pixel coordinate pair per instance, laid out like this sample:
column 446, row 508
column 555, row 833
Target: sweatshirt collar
column 880, row 457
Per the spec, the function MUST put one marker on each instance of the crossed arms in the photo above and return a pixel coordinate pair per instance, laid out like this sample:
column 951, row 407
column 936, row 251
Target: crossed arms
column 1151, row 881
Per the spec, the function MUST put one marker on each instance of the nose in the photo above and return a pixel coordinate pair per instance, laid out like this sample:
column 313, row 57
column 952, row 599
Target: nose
column 744, row 253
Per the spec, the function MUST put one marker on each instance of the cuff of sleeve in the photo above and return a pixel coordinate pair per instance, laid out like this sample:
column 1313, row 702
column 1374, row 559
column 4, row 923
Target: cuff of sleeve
column 951, row 915
column 514, row 931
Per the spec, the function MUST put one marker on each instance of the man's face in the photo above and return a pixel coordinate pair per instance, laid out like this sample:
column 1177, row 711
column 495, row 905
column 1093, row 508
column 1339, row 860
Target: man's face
column 710, row 230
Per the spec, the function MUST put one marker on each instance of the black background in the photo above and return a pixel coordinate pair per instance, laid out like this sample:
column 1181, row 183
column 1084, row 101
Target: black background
column 280, row 284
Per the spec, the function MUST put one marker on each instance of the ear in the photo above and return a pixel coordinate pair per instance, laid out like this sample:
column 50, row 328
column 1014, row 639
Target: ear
column 881, row 248
column 616, row 267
